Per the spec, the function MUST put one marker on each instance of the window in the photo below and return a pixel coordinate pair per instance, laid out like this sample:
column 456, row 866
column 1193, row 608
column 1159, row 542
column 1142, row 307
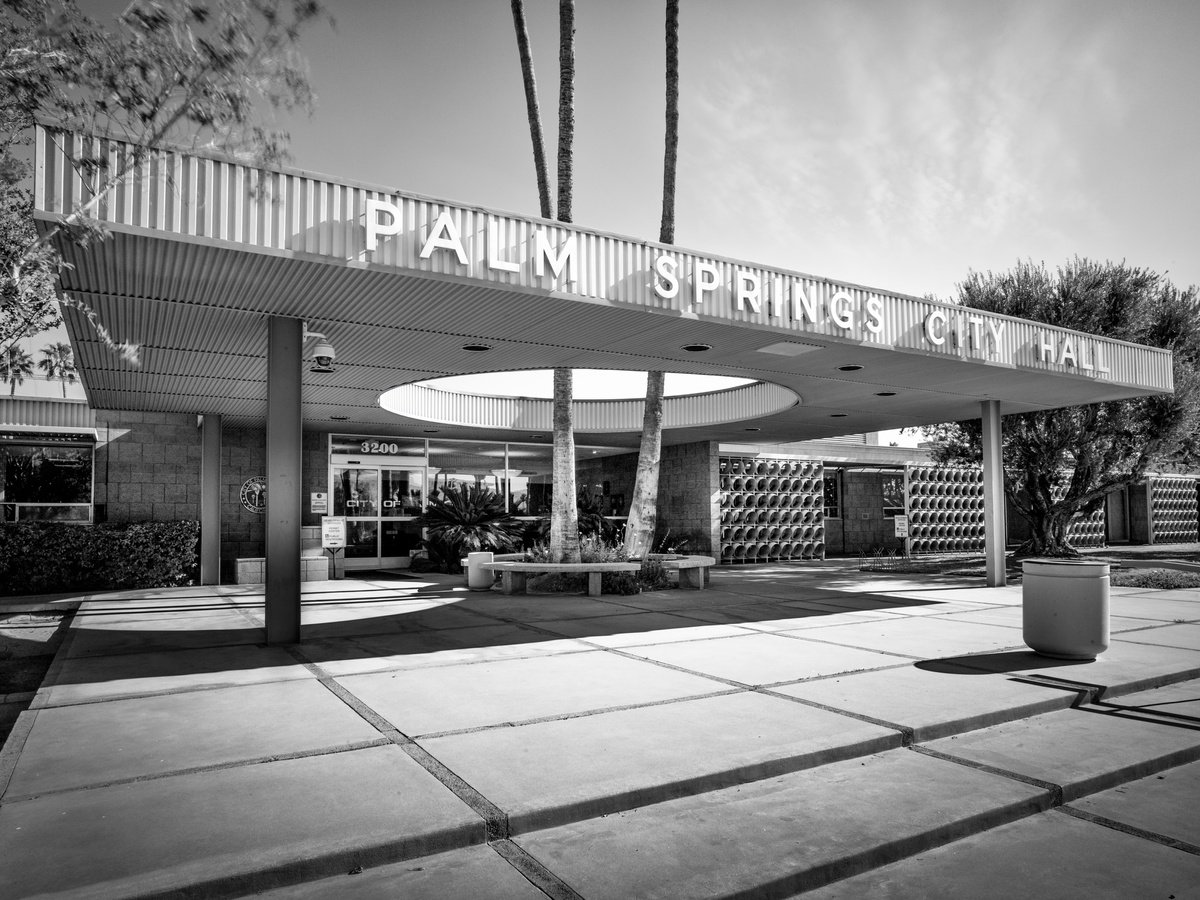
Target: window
column 892, row 489
column 46, row 482
column 833, row 493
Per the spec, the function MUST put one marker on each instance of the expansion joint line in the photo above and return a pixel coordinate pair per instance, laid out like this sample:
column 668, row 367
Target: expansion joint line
column 494, row 818
column 1053, row 791
column 1131, row 830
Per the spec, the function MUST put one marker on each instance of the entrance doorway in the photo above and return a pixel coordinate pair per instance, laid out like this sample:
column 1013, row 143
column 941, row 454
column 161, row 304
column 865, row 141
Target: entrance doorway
column 1116, row 516
column 380, row 505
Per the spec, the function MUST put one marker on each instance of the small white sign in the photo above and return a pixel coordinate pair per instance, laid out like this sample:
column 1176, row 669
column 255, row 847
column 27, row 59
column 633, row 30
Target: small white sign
column 333, row 532
column 318, row 503
column 901, row 526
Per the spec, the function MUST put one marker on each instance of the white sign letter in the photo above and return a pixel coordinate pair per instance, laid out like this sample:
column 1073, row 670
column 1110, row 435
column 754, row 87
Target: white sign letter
column 444, row 236
column 874, row 315
column 939, row 336
column 375, row 228
column 667, row 283
column 803, row 307
column 564, row 261
column 749, row 286
column 840, row 309
column 706, row 277
column 1045, row 348
column 494, row 260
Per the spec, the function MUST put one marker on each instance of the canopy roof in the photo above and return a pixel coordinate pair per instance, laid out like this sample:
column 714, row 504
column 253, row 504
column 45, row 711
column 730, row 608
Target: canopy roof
column 202, row 250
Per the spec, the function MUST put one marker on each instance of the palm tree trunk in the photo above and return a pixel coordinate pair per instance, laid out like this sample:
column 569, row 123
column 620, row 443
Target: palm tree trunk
column 643, row 511
column 532, row 109
column 566, row 106
column 564, row 515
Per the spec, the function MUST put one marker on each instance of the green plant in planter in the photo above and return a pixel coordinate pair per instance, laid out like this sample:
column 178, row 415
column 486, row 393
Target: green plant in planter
column 466, row 518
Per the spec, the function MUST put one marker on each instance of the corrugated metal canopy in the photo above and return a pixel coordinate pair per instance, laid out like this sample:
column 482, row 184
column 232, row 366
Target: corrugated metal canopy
column 200, row 254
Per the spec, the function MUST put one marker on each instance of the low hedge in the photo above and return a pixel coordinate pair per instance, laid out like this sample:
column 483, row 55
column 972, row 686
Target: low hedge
column 48, row 557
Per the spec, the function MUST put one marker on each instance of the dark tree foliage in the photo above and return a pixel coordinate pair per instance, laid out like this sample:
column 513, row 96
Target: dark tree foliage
column 191, row 73
column 1060, row 463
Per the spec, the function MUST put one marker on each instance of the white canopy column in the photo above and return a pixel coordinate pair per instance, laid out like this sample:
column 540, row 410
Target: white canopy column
column 993, row 495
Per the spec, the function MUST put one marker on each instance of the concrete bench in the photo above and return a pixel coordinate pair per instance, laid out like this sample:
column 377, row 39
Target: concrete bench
column 693, row 570
column 513, row 574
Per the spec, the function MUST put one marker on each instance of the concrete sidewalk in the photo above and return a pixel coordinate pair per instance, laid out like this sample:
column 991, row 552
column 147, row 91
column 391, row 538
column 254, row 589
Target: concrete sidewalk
column 791, row 729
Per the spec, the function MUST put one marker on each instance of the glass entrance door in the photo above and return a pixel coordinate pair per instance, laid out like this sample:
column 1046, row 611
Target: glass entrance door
column 380, row 505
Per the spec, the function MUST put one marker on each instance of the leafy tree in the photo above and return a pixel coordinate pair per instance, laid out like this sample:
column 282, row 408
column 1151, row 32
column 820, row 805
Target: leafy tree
column 564, row 522
column 189, row 72
column 58, row 362
column 643, row 509
column 15, row 366
column 1060, row 463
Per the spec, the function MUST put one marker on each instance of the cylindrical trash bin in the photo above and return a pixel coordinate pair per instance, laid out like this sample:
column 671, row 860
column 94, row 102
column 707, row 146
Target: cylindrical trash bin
column 1065, row 607
column 479, row 579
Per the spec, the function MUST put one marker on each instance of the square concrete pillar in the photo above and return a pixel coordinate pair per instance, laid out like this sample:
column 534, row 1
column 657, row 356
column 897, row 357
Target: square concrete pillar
column 285, row 342
column 210, row 499
column 994, row 532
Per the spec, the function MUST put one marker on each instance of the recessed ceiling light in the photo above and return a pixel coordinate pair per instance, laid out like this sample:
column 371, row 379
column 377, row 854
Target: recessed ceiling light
column 851, row 368
column 753, row 429
column 537, row 437
column 339, row 418
column 476, row 348
column 885, row 394
column 837, row 415
column 696, row 348
column 429, row 431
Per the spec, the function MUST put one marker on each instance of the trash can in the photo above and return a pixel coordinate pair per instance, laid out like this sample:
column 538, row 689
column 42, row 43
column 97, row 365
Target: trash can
column 1064, row 606
column 479, row 579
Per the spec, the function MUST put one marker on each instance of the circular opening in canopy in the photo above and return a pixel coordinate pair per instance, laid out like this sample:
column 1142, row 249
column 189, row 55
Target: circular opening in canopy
column 604, row 400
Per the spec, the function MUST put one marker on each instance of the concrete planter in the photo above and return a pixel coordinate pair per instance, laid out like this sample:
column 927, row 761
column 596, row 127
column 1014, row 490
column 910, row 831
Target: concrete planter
column 1065, row 607
column 479, row 579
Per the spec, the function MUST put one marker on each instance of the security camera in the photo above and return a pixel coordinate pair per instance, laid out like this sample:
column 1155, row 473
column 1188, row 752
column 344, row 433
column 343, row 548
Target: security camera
column 323, row 356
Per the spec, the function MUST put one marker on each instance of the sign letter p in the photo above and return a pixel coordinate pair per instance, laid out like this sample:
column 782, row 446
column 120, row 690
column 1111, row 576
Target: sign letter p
column 377, row 229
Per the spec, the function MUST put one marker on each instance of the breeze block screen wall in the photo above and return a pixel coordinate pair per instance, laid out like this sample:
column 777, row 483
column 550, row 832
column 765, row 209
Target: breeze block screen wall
column 771, row 509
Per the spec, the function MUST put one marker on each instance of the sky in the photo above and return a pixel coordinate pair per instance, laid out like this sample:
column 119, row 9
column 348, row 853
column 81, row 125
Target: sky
column 897, row 145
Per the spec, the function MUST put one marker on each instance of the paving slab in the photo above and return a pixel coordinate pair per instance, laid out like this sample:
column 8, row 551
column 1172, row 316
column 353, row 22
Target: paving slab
column 97, row 635
column 1125, row 666
column 386, row 618
column 1185, row 636
column 449, row 698
column 98, row 743
column 638, row 627
column 1011, row 617
column 932, row 703
column 1047, row 855
column 85, row 679
column 540, row 607
column 247, row 827
column 781, row 835
column 477, row 872
column 552, row 772
column 451, row 646
column 922, row 636
column 1165, row 606
column 765, row 658
column 1162, row 804
column 797, row 616
column 1085, row 749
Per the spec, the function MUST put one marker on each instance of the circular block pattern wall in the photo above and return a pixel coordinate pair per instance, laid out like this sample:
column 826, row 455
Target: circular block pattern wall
column 771, row 509
column 945, row 509
column 1174, row 506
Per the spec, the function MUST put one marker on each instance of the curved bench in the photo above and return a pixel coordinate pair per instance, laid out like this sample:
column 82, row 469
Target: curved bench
column 513, row 574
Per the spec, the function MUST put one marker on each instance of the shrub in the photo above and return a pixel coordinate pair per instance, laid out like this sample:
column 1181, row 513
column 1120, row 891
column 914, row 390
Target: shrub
column 43, row 557
column 1160, row 579
column 466, row 518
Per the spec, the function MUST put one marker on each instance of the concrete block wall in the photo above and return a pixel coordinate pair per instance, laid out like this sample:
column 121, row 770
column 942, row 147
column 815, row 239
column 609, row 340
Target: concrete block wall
column 314, row 474
column 689, row 496
column 863, row 523
column 243, row 533
column 147, row 467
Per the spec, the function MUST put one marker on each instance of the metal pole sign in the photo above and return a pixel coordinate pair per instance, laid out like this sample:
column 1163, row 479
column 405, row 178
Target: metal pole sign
column 333, row 532
column 901, row 526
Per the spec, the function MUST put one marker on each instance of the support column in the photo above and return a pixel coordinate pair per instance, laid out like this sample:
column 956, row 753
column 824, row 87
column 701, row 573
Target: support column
column 994, row 532
column 285, row 339
column 210, row 499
